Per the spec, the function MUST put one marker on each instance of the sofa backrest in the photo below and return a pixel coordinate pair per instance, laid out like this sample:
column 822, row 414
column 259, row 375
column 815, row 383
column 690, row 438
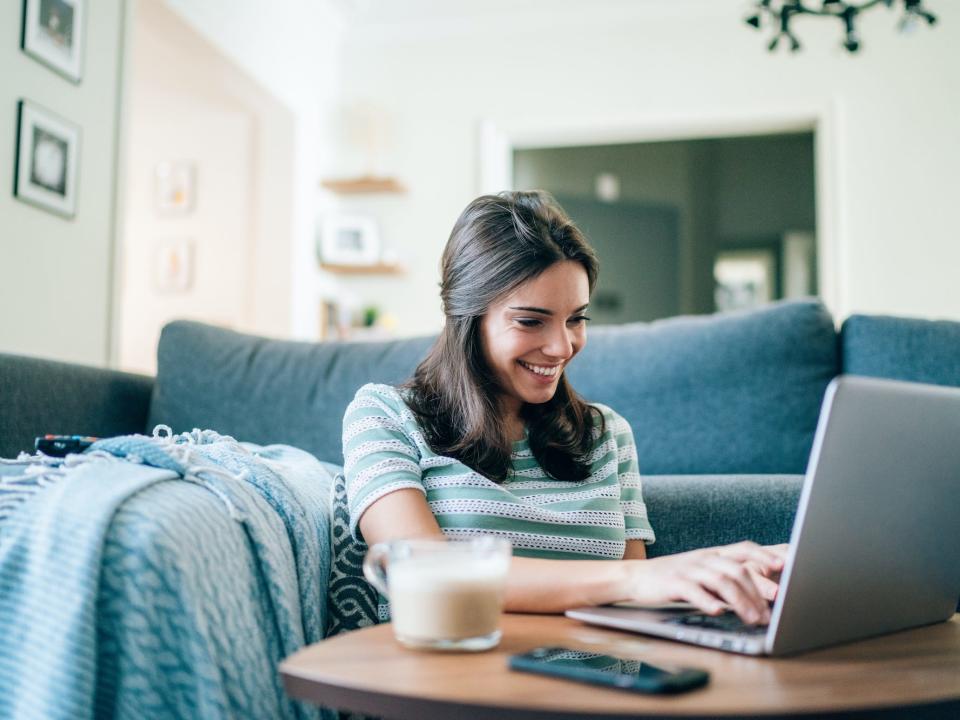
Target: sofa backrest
column 736, row 392
column 728, row 393
column 902, row 348
column 269, row 391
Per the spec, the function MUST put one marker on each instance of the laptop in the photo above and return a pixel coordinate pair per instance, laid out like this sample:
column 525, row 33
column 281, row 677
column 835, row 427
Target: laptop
column 875, row 546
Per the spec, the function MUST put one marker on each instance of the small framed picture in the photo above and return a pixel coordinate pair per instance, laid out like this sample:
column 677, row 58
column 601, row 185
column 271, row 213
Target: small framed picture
column 48, row 149
column 52, row 33
column 175, row 183
column 349, row 240
column 332, row 326
column 744, row 279
column 174, row 265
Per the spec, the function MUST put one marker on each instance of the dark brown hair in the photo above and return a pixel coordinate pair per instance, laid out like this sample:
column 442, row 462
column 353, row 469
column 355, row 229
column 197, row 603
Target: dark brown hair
column 499, row 242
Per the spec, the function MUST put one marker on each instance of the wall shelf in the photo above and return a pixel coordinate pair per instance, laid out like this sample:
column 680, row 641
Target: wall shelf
column 366, row 184
column 376, row 269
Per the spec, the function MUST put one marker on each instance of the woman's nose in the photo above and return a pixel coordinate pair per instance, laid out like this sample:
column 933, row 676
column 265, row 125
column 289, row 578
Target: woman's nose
column 559, row 344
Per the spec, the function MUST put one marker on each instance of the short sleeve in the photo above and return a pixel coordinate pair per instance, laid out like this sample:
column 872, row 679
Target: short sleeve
column 628, row 472
column 380, row 453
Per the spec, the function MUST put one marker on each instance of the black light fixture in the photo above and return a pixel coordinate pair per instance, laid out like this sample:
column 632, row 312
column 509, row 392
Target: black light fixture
column 779, row 13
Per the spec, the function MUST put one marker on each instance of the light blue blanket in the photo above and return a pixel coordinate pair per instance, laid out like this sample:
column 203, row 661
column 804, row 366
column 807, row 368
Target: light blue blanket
column 164, row 577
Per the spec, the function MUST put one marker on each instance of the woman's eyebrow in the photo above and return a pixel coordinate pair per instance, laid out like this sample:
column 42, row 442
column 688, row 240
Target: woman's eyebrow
column 544, row 311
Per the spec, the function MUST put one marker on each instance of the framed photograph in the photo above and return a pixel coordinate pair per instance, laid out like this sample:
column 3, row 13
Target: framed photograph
column 174, row 265
column 175, row 183
column 52, row 33
column 349, row 240
column 48, row 149
column 331, row 320
column 745, row 279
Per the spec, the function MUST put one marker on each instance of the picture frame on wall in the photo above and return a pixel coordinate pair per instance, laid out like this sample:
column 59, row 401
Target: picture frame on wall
column 48, row 150
column 331, row 325
column 175, row 187
column 53, row 33
column 351, row 240
column 745, row 278
column 174, row 265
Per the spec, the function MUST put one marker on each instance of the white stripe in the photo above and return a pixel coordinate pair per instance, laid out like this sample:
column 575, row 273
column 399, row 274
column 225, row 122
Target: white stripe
column 471, row 479
column 641, row 534
column 391, row 401
column 437, row 461
column 630, row 480
column 356, row 483
column 548, row 484
column 556, row 543
column 528, row 513
column 376, row 446
column 369, row 422
column 602, row 491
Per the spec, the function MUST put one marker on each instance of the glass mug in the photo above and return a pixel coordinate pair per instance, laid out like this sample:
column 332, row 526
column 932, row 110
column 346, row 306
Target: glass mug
column 444, row 594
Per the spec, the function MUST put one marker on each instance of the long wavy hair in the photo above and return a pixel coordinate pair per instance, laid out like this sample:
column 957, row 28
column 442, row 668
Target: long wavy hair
column 499, row 242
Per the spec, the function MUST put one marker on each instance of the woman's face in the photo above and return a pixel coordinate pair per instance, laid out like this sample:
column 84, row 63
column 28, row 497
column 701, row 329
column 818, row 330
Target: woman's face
column 530, row 334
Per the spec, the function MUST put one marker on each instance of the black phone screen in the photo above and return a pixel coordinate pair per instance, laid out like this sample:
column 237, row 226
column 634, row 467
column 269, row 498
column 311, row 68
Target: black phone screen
column 564, row 657
column 603, row 669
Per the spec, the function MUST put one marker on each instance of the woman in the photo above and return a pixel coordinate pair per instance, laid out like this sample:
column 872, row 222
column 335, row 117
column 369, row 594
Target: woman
column 488, row 437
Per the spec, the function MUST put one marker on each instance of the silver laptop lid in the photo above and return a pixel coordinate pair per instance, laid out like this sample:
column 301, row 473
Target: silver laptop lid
column 876, row 547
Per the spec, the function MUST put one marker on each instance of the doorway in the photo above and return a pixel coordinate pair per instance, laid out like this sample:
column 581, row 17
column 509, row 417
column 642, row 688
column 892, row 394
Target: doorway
column 208, row 165
column 688, row 226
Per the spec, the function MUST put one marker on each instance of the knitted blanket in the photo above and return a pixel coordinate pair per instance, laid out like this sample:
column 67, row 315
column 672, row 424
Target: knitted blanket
column 163, row 577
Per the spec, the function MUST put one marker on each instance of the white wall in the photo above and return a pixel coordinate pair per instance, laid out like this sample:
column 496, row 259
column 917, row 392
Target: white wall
column 439, row 69
column 187, row 102
column 292, row 48
column 56, row 273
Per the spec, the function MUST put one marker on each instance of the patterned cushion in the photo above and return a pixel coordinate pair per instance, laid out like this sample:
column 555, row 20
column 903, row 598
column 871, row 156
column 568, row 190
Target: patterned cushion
column 351, row 601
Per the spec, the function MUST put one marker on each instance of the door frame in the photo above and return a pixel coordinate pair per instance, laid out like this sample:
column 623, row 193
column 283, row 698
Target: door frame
column 497, row 139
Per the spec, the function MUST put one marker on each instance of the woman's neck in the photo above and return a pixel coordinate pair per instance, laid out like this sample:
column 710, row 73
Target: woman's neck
column 516, row 430
column 514, row 424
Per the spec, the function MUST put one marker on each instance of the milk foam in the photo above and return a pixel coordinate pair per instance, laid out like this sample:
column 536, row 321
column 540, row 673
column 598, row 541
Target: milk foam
column 446, row 598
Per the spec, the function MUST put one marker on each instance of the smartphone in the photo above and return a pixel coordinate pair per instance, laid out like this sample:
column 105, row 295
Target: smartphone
column 599, row 669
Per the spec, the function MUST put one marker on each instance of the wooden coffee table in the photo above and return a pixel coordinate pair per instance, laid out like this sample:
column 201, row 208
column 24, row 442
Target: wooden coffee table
column 910, row 674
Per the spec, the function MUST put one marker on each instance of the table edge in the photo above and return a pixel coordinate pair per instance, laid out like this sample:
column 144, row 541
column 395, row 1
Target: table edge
column 394, row 705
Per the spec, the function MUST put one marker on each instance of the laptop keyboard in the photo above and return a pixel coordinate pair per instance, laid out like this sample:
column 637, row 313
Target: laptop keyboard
column 728, row 622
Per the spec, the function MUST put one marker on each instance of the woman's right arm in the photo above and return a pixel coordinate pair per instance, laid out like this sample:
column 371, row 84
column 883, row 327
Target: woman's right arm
column 711, row 579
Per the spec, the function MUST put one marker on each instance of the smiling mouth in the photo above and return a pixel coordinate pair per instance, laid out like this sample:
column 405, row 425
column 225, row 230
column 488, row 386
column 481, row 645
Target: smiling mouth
column 547, row 372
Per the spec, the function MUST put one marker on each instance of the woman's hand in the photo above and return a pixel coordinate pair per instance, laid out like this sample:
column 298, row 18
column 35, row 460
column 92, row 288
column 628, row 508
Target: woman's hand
column 740, row 577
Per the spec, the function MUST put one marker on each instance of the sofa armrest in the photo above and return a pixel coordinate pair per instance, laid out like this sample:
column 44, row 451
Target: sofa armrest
column 44, row 396
column 695, row 511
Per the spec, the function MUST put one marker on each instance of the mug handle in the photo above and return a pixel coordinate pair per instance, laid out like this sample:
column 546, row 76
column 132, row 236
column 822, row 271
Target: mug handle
column 373, row 568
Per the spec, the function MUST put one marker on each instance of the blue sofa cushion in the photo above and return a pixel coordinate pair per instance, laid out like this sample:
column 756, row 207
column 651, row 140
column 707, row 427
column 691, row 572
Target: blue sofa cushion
column 728, row 393
column 697, row 511
column 902, row 349
column 269, row 391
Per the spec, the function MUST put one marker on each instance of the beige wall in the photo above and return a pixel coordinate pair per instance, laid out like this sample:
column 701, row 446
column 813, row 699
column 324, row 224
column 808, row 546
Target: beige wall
column 56, row 273
column 187, row 101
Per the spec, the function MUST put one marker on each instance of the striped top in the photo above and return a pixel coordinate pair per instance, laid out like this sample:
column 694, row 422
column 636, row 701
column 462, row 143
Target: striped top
column 385, row 450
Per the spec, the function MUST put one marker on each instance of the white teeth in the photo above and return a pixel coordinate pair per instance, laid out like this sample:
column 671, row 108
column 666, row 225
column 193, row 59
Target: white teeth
column 542, row 370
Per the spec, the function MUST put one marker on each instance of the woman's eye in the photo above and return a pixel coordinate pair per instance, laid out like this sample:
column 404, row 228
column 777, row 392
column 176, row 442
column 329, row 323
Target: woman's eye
column 579, row 320
column 528, row 322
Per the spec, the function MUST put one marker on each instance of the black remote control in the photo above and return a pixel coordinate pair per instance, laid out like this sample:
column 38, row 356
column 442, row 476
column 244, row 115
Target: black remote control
column 63, row 445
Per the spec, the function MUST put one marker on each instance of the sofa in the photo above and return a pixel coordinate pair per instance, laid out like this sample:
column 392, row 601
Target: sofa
column 723, row 409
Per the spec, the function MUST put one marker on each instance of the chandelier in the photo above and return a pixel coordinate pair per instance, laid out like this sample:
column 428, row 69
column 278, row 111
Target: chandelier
column 781, row 12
